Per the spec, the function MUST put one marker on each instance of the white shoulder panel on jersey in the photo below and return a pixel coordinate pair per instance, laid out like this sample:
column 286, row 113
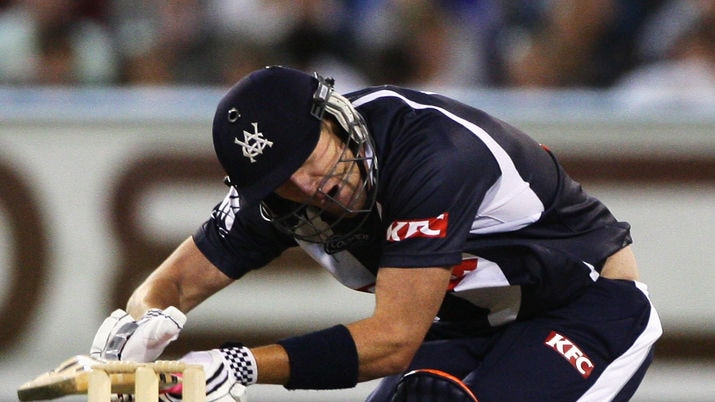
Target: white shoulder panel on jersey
column 510, row 204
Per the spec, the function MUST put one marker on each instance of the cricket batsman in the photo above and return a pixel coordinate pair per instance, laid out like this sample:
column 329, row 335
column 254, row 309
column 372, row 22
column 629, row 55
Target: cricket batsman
column 496, row 277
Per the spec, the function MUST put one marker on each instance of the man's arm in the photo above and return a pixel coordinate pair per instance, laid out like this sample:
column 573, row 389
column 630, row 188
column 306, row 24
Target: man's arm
column 184, row 280
column 155, row 311
column 406, row 303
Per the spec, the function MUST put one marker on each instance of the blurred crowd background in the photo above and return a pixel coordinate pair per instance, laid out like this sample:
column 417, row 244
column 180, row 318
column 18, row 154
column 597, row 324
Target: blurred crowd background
column 439, row 43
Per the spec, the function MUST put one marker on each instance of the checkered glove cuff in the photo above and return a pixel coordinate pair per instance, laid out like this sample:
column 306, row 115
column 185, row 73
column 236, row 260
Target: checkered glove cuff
column 241, row 364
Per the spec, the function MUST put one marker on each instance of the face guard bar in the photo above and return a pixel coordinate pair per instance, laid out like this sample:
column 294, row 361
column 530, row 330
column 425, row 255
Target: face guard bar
column 314, row 224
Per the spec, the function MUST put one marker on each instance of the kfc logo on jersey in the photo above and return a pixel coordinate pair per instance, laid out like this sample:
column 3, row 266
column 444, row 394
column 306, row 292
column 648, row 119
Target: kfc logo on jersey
column 432, row 227
column 570, row 352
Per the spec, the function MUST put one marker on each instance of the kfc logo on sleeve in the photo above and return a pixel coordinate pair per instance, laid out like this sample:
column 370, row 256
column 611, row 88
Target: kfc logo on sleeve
column 431, row 228
column 572, row 353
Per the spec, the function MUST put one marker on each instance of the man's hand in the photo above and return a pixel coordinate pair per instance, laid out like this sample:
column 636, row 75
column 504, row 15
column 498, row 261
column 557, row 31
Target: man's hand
column 228, row 371
column 121, row 338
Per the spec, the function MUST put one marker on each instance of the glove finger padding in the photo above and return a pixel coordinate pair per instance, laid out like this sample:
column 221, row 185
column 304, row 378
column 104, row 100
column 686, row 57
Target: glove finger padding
column 153, row 333
column 431, row 385
column 122, row 338
column 106, row 332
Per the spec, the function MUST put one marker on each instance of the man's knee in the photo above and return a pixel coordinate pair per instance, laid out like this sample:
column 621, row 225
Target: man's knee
column 433, row 386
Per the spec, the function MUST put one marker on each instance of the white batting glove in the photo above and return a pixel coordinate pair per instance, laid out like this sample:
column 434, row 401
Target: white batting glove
column 228, row 371
column 121, row 338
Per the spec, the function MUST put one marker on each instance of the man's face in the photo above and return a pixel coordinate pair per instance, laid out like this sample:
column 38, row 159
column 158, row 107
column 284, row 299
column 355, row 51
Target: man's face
column 329, row 179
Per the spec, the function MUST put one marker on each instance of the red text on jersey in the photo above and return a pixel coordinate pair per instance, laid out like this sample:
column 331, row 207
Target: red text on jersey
column 431, row 227
column 572, row 353
column 460, row 271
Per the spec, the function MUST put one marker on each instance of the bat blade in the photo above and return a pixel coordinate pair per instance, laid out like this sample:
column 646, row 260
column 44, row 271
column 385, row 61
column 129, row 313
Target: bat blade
column 72, row 377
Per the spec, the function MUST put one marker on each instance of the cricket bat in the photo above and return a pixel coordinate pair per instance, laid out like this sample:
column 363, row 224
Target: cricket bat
column 72, row 377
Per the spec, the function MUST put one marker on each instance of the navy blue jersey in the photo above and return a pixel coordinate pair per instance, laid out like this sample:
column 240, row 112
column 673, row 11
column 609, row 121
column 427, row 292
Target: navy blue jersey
column 457, row 188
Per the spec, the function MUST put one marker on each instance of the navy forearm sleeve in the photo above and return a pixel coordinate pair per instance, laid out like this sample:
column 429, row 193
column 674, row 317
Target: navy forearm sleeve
column 325, row 359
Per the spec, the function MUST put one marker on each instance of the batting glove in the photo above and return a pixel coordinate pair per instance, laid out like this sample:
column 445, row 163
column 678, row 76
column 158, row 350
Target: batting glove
column 228, row 371
column 121, row 338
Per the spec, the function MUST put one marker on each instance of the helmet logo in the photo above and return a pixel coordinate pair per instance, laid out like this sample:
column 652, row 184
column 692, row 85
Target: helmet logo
column 253, row 143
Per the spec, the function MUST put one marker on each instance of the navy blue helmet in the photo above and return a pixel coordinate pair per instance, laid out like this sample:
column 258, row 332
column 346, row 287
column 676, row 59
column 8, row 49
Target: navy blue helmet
column 265, row 128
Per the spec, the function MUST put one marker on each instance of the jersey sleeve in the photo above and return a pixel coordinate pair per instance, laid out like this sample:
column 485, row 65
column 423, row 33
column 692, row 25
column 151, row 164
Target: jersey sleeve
column 239, row 240
column 434, row 188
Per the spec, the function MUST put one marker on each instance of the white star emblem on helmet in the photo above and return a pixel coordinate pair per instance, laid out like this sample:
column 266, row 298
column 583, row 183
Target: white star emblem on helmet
column 253, row 143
